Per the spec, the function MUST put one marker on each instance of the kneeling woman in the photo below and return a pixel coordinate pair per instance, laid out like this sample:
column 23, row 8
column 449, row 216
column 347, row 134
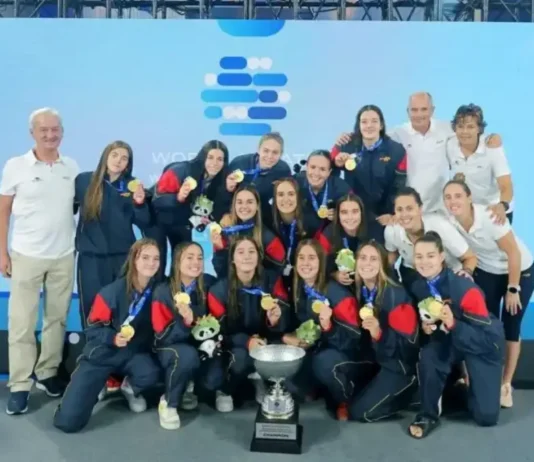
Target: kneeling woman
column 331, row 308
column 119, row 341
column 252, row 307
column 392, row 323
column 176, row 306
column 467, row 332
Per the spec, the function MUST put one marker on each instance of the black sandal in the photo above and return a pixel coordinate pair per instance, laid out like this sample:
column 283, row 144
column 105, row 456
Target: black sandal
column 425, row 424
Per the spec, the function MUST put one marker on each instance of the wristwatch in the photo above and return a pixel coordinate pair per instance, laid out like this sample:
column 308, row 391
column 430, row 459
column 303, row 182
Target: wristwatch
column 514, row 289
column 506, row 205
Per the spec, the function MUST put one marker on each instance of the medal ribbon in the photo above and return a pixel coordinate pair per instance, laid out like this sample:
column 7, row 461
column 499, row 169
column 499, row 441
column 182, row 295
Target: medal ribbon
column 256, row 171
column 121, row 188
column 432, row 285
column 137, row 305
column 358, row 156
column 190, row 288
column 369, row 295
column 253, row 291
column 230, row 230
column 314, row 199
column 312, row 293
column 289, row 240
column 346, row 243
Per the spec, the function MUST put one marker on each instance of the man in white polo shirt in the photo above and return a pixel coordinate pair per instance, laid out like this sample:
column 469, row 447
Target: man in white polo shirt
column 36, row 196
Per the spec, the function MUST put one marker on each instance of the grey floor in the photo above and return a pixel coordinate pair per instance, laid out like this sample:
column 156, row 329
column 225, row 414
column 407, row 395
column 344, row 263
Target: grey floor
column 207, row 436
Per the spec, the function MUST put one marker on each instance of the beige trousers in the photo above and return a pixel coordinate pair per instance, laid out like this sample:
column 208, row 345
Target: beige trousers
column 29, row 275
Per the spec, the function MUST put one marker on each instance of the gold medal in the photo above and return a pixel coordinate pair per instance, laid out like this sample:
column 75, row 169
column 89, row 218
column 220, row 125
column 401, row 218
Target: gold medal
column 215, row 228
column 267, row 302
column 239, row 176
column 350, row 164
column 322, row 212
column 127, row 332
column 182, row 298
column 191, row 181
column 434, row 308
column 366, row 312
column 133, row 185
column 317, row 306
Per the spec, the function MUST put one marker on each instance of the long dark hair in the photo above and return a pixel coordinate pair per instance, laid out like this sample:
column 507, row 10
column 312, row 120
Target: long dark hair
column 337, row 230
column 129, row 269
column 198, row 167
column 357, row 137
column 175, row 281
column 234, row 284
column 298, row 211
column 257, row 231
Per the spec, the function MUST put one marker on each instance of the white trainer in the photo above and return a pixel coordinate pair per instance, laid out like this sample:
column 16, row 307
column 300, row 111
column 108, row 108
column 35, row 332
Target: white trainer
column 136, row 403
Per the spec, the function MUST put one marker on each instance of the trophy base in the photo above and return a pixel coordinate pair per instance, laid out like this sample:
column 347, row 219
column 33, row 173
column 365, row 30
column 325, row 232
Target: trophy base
column 280, row 436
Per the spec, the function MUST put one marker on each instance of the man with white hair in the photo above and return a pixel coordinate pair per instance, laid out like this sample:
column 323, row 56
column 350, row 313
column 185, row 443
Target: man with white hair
column 37, row 196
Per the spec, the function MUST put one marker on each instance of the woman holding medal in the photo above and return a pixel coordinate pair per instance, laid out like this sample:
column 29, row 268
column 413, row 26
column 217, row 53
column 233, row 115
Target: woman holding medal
column 119, row 341
column 111, row 201
column 186, row 196
column 319, row 191
column 412, row 224
column 375, row 167
column 341, row 239
column 325, row 324
column 467, row 332
column 505, row 270
column 245, row 219
column 176, row 305
column 288, row 222
column 251, row 305
column 259, row 170
column 393, row 325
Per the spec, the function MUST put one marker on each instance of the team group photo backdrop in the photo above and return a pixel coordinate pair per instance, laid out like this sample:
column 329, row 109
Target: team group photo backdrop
column 167, row 87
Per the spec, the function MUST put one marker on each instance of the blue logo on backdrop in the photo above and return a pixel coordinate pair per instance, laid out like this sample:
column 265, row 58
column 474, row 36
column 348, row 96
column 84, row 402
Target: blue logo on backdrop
column 246, row 96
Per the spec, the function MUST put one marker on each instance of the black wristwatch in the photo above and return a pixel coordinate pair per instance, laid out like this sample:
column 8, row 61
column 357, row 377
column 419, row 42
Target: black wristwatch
column 506, row 205
column 514, row 289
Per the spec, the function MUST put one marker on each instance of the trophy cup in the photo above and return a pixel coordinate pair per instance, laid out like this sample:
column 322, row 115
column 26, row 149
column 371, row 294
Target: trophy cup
column 277, row 428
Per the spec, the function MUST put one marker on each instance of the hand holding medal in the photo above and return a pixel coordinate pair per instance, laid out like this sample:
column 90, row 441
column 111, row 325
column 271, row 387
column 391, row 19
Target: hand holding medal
column 126, row 333
column 188, row 185
column 137, row 190
column 371, row 324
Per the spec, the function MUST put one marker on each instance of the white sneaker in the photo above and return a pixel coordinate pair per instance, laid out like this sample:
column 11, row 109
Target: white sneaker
column 440, row 406
column 168, row 416
column 223, row 403
column 189, row 400
column 137, row 403
column 506, row 395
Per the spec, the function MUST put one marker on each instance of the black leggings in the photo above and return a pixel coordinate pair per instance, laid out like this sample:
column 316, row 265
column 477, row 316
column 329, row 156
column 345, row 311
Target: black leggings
column 495, row 287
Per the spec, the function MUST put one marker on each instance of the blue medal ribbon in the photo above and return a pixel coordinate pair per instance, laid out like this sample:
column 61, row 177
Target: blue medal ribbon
column 289, row 238
column 120, row 188
column 314, row 199
column 312, row 293
column 252, row 291
column 230, row 230
column 346, row 243
column 256, row 171
column 137, row 305
column 432, row 286
column 358, row 156
column 369, row 295
column 190, row 288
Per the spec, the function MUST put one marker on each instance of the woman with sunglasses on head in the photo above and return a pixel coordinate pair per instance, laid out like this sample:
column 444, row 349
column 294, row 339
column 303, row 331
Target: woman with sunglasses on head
column 259, row 170
column 375, row 167
column 460, row 329
column 504, row 271
column 480, row 162
column 251, row 305
column 245, row 219
column 341, row 238
column 319, row 191
column 288, row 222
column 411, row 225
column 392, row 324
column 176, row 306
column 325, row 310
column 186, row 196
column 119, row 341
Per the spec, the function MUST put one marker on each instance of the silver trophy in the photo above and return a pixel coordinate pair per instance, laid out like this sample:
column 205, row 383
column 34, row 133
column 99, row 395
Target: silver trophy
column 277, row 427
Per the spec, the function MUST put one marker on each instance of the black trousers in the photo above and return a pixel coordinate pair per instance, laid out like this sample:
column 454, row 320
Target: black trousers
column 227, row 372
column 495, row 287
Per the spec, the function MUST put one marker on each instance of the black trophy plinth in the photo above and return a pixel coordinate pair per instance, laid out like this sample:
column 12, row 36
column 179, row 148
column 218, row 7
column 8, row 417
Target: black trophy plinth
column 281, row 436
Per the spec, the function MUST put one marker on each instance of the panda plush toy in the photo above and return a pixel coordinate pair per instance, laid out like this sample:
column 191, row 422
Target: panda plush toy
column 430, row 310
column 207, row 335
column 202, row 209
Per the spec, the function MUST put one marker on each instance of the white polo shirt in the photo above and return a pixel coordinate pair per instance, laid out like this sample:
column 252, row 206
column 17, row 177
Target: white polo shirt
column 481, row 170
column 482, row 239
column 42, row 215
column 428, row 168
column 454, row 244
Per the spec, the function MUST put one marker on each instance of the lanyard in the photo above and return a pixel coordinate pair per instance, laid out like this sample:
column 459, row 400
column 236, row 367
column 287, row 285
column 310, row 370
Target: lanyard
column 121, row 188
column 358, row 156
column 369, row 295
column 312, row 293
column 252, row 291
column 256, row 171
column 346, row 243
column 137, row 305
column 289, row 240
column 230, row 230
column 190, row 288
column 314, row 199
column 432, row 285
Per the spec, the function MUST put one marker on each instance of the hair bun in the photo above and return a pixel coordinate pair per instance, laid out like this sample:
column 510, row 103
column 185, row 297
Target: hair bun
column 433, row 235
column 459, row 177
